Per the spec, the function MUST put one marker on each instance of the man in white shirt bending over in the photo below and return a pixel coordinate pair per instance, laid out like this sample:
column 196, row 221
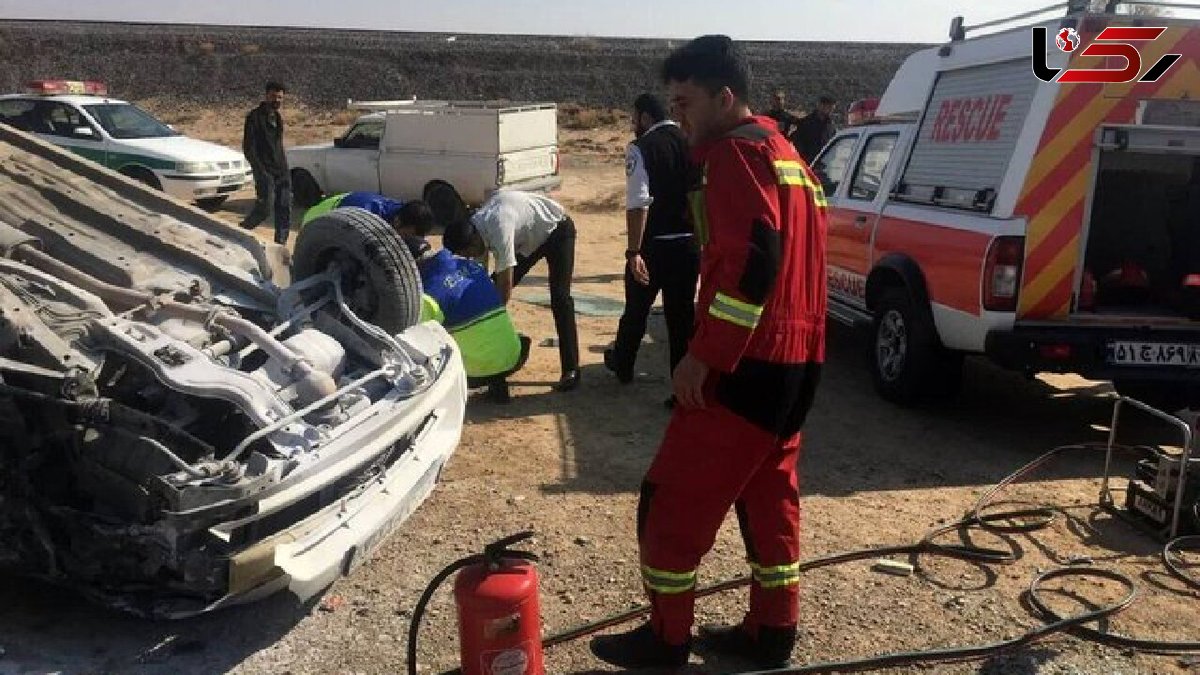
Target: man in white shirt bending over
column 520, row 229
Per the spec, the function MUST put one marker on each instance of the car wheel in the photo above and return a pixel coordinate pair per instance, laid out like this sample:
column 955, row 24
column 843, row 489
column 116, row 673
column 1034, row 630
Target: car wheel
column 212, row 204
column 144, row 176
column 305, row 189
column 908, row 363
column 379, row 277
column 445, row 202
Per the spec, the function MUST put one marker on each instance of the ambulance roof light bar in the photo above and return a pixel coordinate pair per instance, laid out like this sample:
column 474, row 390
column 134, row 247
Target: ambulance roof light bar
column 75, row 87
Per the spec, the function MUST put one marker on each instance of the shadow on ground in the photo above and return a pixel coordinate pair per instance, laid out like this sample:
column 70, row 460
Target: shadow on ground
column 67, row 634
column 855, row 441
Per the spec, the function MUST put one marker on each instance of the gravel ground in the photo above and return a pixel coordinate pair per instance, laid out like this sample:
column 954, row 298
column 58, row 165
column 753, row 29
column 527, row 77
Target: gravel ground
column 568, row 467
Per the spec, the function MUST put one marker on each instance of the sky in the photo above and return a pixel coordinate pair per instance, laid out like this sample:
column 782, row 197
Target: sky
column 925, row 21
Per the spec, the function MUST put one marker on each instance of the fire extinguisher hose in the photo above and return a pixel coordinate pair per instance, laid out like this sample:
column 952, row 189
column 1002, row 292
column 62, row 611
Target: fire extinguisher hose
column 414, row 624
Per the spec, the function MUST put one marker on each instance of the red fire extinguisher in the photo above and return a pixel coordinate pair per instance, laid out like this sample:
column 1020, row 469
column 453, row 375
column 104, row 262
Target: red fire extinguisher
column 499, row 617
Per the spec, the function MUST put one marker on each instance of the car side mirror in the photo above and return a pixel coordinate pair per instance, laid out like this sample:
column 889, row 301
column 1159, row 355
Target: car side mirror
column 339, row 142
column 85, row 132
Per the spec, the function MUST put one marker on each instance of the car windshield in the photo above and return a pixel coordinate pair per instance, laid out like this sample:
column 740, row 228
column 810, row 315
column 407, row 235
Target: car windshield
column 122, row 120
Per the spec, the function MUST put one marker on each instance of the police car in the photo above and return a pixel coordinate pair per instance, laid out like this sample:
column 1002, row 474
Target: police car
column 81, row 117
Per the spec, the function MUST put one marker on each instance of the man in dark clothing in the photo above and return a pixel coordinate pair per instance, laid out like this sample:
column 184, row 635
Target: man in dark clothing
column 262, row 144
column 787, row 121
column 662, row 253
column 815, row 130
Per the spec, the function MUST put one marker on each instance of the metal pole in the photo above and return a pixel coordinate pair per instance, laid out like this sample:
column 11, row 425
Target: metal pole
column 1105, row 495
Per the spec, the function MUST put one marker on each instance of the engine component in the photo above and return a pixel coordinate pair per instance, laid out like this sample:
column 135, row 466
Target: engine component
column 321, row 351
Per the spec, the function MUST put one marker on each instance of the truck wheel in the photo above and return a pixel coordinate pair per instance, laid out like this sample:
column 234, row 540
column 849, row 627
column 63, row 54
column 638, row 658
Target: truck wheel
column 144, row 176
column 212, row 204
column 380, row 280
column 305, row 189
column 445, row 202
column 908, row 363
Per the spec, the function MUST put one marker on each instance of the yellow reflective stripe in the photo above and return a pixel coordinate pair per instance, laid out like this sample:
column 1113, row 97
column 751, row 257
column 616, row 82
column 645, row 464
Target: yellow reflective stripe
column 778, row 576
column 790, row 172
column 819, row 196
column 735, row 311
column 664, row 581
column 780, row 583
column 793, row 568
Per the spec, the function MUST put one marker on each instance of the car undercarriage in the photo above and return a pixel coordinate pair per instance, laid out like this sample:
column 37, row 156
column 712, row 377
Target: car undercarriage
column 180, row 429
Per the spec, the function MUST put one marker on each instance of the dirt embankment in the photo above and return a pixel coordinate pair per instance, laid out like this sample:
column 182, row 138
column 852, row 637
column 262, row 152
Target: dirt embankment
column 221, row 65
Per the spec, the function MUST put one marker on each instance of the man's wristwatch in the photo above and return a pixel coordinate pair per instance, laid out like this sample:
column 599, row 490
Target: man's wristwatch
column 630, row 253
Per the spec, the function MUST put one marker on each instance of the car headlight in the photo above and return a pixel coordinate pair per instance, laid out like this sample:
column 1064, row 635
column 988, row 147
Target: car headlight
column 195, row 167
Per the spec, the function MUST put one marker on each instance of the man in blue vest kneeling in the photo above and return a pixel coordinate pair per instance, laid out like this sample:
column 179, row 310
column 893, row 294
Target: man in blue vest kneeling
column 460, row 295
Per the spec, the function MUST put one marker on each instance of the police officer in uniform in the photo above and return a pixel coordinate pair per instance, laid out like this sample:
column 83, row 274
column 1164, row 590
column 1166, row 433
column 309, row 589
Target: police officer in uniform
column 662, row 255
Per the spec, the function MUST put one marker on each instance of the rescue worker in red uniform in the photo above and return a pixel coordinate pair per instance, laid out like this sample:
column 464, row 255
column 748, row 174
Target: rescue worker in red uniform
column 747, row 382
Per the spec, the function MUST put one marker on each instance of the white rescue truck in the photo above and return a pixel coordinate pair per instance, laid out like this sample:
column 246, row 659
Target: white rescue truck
column 1052, row 226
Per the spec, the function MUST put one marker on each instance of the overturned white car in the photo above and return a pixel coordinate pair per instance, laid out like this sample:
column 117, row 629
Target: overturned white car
column 181, row 429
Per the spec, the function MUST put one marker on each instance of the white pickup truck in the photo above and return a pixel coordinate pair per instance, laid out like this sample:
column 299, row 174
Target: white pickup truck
column 398, row 147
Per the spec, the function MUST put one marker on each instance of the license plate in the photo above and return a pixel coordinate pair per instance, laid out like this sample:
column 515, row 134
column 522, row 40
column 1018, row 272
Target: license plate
column 1154, row 354
column 234, row 179
column 1150, row 509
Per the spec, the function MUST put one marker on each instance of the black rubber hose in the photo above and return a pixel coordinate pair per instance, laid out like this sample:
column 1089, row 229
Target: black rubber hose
column 927, row 546
column 1032, row 518
column 414, row 624
column 1191, row 543
column 974, row 653
column 1103, row 637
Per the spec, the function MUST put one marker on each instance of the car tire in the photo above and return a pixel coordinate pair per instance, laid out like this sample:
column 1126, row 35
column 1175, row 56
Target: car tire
column 144, row 176
column 380, row 279
column 445, row 202
column 908, row 363
column 212, row 204
column 305, row 189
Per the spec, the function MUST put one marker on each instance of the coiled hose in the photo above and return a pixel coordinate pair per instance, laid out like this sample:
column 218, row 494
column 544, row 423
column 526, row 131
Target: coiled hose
column 1021, row 520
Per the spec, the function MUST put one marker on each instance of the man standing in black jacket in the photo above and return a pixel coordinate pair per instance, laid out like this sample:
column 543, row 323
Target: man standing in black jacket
column 262, row 144
column 814, row 130
column 787, row 121
column 662, row 254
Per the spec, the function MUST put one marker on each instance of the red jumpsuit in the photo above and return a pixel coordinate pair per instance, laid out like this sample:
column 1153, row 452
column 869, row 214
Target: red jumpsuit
column 761, row 216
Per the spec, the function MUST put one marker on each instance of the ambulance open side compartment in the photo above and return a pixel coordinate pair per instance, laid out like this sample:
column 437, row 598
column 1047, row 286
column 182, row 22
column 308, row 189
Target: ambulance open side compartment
column 1043, row 225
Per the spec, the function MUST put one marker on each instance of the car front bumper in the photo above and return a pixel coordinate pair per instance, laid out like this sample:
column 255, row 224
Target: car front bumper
column 192, row 188
column 359, row 496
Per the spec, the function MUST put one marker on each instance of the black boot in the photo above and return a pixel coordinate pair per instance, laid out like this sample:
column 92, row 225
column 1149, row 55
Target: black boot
column 639, row 648
column 624, row 375
column 498, row 392
column 771, row 649
column 569, row 381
